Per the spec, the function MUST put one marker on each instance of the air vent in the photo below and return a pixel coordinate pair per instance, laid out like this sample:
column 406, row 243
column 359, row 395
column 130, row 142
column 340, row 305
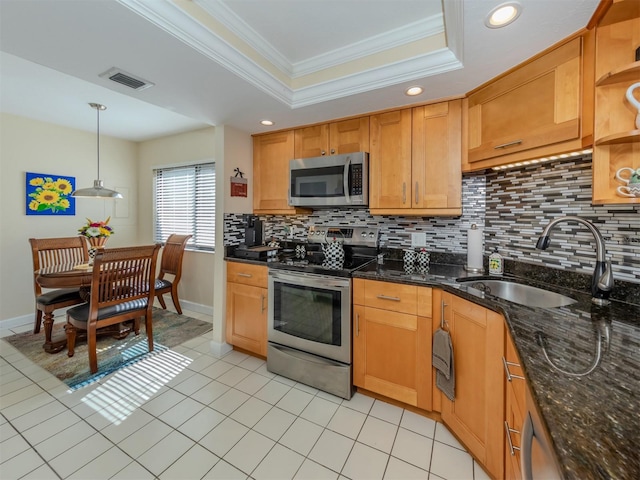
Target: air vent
column 123, row 78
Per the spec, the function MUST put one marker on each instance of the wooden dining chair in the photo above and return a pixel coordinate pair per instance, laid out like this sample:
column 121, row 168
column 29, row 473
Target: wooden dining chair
column 171, row 264
column 122, row 289
column 48, row 252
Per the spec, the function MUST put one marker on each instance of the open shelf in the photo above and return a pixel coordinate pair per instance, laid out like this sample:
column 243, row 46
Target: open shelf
column 628, row 73
column 632, row 136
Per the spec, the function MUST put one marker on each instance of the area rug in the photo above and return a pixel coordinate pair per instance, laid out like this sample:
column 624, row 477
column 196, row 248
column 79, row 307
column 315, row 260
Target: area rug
column 169, row 330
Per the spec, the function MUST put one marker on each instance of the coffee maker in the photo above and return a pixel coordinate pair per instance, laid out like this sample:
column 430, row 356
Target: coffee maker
column 252, row 230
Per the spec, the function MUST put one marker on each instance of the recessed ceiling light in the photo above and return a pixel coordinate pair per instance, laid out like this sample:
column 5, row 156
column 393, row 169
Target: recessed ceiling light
column 413, row 91
column 503, row 15
column 267, row 123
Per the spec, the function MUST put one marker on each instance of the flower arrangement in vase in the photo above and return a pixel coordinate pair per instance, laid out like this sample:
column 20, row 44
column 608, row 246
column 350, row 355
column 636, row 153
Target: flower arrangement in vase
column 96, row 233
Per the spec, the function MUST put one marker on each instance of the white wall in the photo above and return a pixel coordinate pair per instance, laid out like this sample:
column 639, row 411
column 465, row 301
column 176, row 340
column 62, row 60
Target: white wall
column 196, row 286
column 31, row 146
column 234, row 149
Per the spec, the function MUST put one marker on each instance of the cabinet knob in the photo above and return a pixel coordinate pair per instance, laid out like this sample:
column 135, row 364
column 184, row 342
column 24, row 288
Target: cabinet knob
column 323, row 153
column 333, row 151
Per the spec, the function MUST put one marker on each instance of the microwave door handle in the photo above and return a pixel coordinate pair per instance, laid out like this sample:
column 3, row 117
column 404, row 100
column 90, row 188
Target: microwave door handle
column 345, row 180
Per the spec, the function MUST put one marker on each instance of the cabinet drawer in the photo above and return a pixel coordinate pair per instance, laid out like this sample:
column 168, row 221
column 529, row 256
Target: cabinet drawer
column 247, row 274
column 391, row 296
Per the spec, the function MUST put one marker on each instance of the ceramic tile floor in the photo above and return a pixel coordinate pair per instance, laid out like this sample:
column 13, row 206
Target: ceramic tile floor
column 184, row 414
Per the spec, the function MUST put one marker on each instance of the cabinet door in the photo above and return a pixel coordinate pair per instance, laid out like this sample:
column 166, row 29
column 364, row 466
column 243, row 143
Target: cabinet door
column 477, row 414
column 271, row 156
column 312, row 141
column 535, row 105
column 246, row 321
column 392, row 355
column 390, row 161
column 349, row 136
column 437, row 157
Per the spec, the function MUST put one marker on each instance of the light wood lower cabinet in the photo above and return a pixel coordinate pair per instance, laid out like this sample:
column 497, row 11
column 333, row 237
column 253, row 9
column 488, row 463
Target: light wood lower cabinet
column 246, row 319
column 392, row 341
column 476, row 416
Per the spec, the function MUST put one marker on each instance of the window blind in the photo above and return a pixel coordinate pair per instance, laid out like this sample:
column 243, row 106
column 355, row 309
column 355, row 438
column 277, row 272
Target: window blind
column 185, row 203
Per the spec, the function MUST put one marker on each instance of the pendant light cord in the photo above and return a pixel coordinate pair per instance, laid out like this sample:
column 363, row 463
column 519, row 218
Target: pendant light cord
column 98, row 113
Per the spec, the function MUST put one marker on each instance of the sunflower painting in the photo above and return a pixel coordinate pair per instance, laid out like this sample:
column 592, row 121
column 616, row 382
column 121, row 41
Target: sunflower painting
column 50, row 194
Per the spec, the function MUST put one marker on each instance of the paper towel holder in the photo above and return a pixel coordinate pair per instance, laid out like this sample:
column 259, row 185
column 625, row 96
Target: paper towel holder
column 469, row 268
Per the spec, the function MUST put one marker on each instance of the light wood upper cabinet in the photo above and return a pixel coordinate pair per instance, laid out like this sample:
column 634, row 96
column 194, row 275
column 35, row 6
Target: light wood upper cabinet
column 415, row 162
column 390, row 161
column 534, row 110
column 271, row 156
column 346, row 136
column 246, row 316
column 477, row 415
column 436, row 158
column 617, row 139
column 392, row 341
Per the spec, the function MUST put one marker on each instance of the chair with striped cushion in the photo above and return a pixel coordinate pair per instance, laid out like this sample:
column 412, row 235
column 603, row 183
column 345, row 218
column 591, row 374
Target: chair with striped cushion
column 122, row 289
column 47, row 252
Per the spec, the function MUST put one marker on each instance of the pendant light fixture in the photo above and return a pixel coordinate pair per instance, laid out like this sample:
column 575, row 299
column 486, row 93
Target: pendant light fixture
column 98, row 190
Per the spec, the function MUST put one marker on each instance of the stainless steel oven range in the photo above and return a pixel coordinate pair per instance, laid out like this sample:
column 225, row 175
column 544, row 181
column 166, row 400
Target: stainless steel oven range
column 309, row 315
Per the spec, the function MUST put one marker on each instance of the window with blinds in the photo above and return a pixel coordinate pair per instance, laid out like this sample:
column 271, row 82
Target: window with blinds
column 185, row 203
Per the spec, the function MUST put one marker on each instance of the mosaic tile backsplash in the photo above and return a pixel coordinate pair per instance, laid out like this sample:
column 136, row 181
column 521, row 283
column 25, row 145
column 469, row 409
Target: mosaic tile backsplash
column 513, row 207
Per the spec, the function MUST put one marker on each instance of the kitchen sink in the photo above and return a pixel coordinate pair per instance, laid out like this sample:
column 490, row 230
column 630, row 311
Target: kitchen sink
column 519, row 293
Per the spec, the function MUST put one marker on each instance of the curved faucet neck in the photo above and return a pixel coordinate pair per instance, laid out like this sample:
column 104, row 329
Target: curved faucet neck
column 600, row 248
column 602, row 281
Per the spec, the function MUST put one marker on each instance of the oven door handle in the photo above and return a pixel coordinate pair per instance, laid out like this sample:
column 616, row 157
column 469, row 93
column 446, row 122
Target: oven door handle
column 310, row 279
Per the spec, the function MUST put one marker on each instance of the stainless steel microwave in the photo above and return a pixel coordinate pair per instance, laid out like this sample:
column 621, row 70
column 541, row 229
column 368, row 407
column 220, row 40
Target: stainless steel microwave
column 332, row 181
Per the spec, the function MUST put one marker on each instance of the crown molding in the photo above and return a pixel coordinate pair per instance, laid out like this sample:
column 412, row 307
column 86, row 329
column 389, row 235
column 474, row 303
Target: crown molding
column 370, row 46
column 454, row 27
column 176, row 21
column 432, row 63
column 239, row 27
column 171, row 18
column 415, row 31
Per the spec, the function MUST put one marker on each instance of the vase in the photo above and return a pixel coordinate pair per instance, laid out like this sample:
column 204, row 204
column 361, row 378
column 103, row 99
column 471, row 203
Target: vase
column 95, row 243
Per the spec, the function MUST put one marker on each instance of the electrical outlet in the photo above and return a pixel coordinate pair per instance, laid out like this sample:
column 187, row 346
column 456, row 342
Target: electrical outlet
column 418, row 239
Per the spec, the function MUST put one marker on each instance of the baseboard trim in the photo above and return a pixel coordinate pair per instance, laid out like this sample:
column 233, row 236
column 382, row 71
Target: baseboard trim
column 219, row 349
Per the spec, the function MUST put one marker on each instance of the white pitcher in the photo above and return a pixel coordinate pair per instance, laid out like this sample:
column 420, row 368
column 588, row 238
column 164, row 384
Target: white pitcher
column 633, row 101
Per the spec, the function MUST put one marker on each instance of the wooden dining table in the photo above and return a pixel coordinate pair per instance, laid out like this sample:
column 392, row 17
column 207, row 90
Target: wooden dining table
column 70, row 275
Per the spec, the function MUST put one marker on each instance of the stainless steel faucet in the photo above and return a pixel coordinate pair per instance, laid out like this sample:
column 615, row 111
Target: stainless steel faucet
column 602, row 282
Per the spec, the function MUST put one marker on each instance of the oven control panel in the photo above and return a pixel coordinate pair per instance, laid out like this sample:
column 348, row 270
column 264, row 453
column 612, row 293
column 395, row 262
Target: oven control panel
column 362, row 236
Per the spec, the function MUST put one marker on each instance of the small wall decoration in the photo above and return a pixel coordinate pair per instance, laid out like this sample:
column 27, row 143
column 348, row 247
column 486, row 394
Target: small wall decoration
column 48, row 194
column 238, row 184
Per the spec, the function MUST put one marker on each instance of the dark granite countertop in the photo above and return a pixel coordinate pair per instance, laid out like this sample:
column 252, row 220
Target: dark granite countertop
column 592, row 418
